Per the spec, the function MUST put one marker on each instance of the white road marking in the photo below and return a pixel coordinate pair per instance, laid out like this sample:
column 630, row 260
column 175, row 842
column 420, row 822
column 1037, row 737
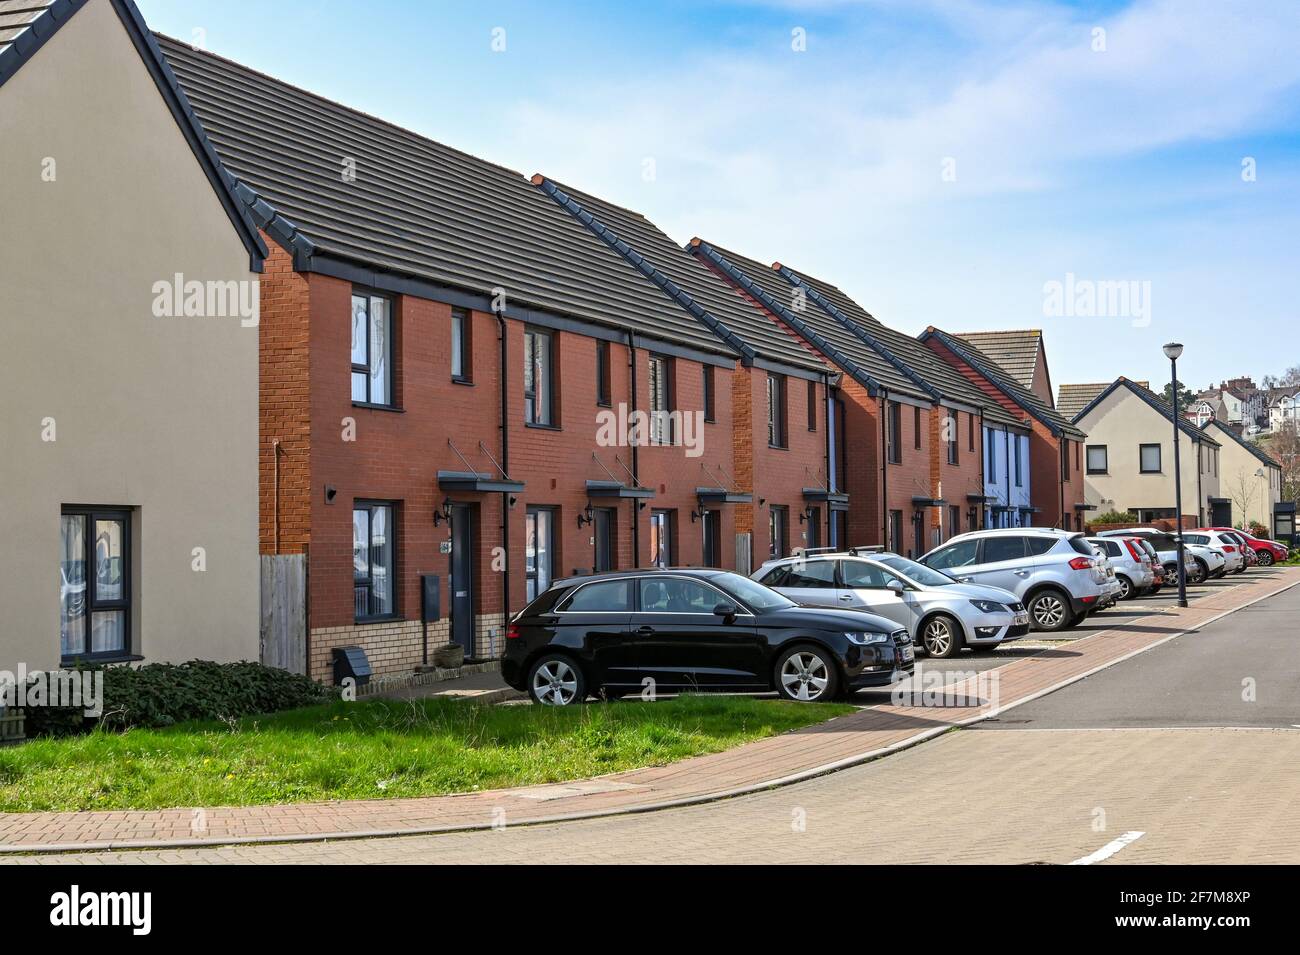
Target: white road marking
column 1109, row 849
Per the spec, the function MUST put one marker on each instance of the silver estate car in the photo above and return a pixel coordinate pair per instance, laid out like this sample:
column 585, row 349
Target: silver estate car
column 1055, row 573
column 941, row 614
column 1132, row 564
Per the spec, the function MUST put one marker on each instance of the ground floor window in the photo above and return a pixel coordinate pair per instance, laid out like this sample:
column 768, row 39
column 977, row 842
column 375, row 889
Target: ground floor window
column 539, row 550
column 778, row 523
column 374, row 551
column 662, row 543
column 94, row 583
column 895, row 542
column 954, row 520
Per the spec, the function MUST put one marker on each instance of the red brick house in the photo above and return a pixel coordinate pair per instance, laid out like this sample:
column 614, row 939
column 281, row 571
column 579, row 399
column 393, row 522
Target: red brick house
column 922, row 469
column 453, row 370
column 1055, row 445
column 786, row 492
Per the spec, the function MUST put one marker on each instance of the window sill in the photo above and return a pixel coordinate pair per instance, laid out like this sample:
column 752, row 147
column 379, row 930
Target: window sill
column 462, row 381
column 387, row 618
column 542, row 427
column 95, row 659
column 778, row 447
column 375, row 407
column 1090, row 472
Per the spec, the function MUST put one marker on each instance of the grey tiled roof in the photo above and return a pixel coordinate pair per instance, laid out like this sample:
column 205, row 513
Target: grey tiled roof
column 417, row 207
column 835, row 336
column 920, row 361
column 1015, row 350
column 1017, row 392
column 1161, row 407
column 724, row 310
column 1071, row 399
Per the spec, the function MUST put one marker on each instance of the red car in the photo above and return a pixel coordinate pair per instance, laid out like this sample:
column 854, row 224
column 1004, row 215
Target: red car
column 1268, row 552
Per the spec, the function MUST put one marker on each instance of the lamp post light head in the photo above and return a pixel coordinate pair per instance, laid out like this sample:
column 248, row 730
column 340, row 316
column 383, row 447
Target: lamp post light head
column 1173, row 351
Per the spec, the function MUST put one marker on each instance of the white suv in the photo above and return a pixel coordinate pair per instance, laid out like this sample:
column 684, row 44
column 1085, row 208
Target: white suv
column 1055, row 573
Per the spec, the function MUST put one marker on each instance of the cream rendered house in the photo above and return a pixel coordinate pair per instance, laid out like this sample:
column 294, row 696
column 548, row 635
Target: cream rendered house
column 1249, row 477
column 1129, row 458
column 129, row 462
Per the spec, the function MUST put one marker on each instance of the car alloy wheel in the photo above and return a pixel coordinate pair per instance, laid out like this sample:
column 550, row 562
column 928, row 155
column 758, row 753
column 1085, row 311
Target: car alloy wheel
column 1266, row 558
column 938, row 638
column 555, row 682
column 1125, row 587
column 806, row 676
column 1049, row 611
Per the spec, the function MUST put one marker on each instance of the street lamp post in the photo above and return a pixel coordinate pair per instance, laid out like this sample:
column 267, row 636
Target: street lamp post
column 1172, row 351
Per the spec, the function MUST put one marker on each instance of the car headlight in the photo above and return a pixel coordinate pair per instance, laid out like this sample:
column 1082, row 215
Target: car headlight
column 988, row 606
column 864, row 638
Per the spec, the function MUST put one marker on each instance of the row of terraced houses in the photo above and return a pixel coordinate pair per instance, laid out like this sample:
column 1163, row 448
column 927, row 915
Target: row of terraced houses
column 452, row 372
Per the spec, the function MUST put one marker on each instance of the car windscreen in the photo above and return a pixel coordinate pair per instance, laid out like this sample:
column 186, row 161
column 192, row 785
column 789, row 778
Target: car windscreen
column 751, row 593
column 917, row 573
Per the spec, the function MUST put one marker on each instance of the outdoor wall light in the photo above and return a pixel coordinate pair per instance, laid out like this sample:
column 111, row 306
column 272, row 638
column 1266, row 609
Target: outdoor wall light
column 444, row 513
column 586, row 516
column 699, row 515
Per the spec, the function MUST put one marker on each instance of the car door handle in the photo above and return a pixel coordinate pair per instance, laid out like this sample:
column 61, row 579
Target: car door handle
column 845, row 597
column 644, row 631
column 1021, row 573
column 965, row 580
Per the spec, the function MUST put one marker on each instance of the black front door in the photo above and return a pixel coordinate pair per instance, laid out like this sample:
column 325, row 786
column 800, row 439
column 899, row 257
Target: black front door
column 602, row 526
column 839, row 529
column 712, row 538
column 1221, row 514
column 814, row 515
column 462, row 576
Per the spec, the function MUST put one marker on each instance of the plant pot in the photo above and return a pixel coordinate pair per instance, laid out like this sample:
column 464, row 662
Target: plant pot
column 449, row 656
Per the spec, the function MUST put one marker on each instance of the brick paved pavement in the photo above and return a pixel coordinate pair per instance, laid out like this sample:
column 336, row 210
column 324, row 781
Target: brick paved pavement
column 842, row 741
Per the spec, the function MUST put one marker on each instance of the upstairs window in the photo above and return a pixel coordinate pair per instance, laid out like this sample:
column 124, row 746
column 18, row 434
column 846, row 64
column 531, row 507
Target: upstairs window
column 539, row 377
column 1149, row 458
column 812, row 406
column 661, row 400
column 709, row 413
column 461, row 370
column 776, row 389
column 1098, row 462
column 893, row 432
column 372, row 350
column 604, row 389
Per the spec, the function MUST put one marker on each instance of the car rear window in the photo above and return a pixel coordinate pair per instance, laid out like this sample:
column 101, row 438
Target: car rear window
column 776, row 577
column 1080, row 544
column 812, row 573
column 544, row 602
column 1038, row 545
column 1196, row 538
column 606, row 596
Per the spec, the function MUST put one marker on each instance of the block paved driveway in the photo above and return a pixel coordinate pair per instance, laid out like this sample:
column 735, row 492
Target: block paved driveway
column 1163, row 743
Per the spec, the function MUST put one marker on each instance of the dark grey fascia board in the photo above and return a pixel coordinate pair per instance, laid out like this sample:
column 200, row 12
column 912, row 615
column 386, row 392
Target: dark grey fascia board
column 613, row 489
column 856, row 371
column 793, row 371
column 382, row 280
column 473, row 482
column 859, row 332
column 956, row 405
column 670, row 288
column 41, row 29
column 906, row 399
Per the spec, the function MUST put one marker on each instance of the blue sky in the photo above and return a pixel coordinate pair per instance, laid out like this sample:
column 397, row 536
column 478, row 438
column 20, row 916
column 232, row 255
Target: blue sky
column 941, row 162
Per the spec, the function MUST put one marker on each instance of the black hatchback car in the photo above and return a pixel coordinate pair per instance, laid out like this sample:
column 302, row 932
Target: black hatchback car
column 696, row 630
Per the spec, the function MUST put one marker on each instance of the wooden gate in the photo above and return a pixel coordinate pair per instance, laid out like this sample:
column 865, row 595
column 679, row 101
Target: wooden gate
column 284, row 611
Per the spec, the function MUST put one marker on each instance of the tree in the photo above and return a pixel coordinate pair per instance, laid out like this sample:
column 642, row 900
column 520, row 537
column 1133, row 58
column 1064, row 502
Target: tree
column 1185, row 396
column 1284, row 445
column 1290, row 378
column 1243, row 489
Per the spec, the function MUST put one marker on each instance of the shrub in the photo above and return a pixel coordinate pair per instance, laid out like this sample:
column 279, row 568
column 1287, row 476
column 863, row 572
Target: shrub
column 161, row 694
column 1116, row 517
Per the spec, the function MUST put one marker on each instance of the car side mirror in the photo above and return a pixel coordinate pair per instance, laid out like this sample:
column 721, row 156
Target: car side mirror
column 725, row 609
column 896, row 586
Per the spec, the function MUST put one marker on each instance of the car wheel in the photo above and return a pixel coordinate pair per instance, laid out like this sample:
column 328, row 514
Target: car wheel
column 1266, row 558
column 1126, row 591
column 1050, row 611
column 941, row 637
column 556, row 680
column 1201, row 573
column 807, row 675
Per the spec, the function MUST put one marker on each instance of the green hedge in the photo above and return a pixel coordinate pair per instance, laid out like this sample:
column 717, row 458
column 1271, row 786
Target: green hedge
column 1115, row 517
column 162, row 694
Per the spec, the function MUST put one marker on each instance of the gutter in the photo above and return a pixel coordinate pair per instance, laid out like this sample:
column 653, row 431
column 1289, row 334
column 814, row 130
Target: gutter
column 505, row 466
column 636, row 468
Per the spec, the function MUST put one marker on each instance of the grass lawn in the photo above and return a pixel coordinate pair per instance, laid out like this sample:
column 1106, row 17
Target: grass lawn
column 380, row 749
